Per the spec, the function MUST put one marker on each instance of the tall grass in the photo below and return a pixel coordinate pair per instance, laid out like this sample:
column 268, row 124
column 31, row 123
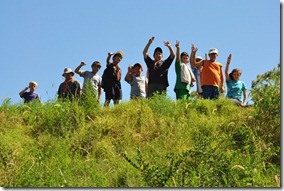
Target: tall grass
column 140, row 143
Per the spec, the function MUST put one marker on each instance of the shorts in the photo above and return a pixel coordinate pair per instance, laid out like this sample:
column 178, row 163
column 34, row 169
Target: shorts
column 210, row 92
column 113, row 92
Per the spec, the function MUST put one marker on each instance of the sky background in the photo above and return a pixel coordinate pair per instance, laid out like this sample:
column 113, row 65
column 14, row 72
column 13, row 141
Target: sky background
column 39, row 38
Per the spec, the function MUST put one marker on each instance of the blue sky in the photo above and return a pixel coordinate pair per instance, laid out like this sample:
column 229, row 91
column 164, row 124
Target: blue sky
column 38, row 39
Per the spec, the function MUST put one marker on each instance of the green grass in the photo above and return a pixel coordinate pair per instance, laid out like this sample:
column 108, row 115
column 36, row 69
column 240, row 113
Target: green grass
column 139, row 143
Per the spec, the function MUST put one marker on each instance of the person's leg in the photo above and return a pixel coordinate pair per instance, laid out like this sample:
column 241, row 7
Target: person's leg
column 215, row 92
column 206, row 92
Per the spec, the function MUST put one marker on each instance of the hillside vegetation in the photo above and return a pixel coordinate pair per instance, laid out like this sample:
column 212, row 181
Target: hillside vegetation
column 144, row 143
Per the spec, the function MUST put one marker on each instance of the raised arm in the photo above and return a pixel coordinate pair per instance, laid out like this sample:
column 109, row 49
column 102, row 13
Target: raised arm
column 23, row 91
column 177, row 52
column 129, row 74
column 108, row 58
column 145, row 51
column 77, row 70
column 227, row 67
column 193, row 62
column 172, row 53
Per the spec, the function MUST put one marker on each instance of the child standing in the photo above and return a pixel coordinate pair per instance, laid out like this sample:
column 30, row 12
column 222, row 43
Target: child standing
column 31, row 95
column 197, row 74
column 158, row 69
column 185, row 77
column 212, row 78
column 138, row 83
column 92, row 77
column 70, row 88
column 236, row 88
column 111, row 79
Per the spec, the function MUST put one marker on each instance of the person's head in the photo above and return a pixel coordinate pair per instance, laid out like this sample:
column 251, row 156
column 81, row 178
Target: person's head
column 198, row 58
column 184, row 56
column 32, row 86
column 68, row 73
column 158, row 54
column 96, row 66
column 117, row 57
column 235, row 74
column 213, row 54
column 137, row 69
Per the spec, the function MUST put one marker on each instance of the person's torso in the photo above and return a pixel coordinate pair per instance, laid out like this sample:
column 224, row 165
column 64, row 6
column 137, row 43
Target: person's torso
column 179, row 84
column 235, row 89
column 211, row 73
column 94, row 79
column 138, row 87
column 28, row 96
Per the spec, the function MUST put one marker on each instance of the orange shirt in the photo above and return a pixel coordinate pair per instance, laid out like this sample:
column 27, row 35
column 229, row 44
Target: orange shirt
column 211, row 73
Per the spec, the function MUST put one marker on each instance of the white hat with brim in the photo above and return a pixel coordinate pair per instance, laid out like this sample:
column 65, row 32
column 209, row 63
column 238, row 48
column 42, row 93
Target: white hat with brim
column 213, row 50
column 198, row 57
column 68, row 71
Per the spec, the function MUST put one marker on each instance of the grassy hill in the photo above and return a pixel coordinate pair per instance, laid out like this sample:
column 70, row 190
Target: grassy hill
column 142, row 143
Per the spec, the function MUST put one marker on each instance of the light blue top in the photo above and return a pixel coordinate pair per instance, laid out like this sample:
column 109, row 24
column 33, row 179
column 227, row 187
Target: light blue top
column 235, row 89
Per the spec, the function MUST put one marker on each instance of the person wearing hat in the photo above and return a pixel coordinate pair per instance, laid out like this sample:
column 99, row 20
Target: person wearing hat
column 138, row 83
column 185, row 77
column 31, row 95
column 70, row 88
column 91, row 77
column 197, row 73
column 111, row 79
column 212, row 78
column 158, row 68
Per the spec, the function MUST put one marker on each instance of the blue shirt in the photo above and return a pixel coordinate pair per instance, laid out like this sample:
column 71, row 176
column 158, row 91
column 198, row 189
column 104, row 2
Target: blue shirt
column 235, row 89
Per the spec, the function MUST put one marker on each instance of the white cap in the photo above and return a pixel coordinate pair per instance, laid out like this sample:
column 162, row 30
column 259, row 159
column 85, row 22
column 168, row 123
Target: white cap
column 198, row 57
column 213, row 50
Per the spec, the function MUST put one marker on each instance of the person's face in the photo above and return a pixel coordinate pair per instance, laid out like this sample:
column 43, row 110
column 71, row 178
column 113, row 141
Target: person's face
column 96, row 68
column 158, row 56
column 185, row 59
column 236, row 75
column 67, row 76
column 117, row 59
column 213, row 56
column 32, row 86
column 137, row 71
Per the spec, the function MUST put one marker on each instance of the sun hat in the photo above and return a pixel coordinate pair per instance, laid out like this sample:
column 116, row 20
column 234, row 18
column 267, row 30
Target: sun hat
column 213, row 50
column 119, row 53
column 67, row 71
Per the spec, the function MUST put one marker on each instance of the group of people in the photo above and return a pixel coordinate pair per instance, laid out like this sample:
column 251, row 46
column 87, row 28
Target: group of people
column 189, row 68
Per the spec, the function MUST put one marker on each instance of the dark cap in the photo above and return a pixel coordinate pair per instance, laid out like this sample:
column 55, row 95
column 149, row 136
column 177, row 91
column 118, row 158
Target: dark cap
column 158, row 49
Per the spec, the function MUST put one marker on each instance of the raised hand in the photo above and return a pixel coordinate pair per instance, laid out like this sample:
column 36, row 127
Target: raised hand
column 167, row 43
column 83, row 63
column 177, row 44
column 151, row 39
column 229, row 59
column 193, row 48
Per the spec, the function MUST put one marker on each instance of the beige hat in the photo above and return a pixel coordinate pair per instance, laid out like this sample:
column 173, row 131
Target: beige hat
column 119, row 53
column 67, row 71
